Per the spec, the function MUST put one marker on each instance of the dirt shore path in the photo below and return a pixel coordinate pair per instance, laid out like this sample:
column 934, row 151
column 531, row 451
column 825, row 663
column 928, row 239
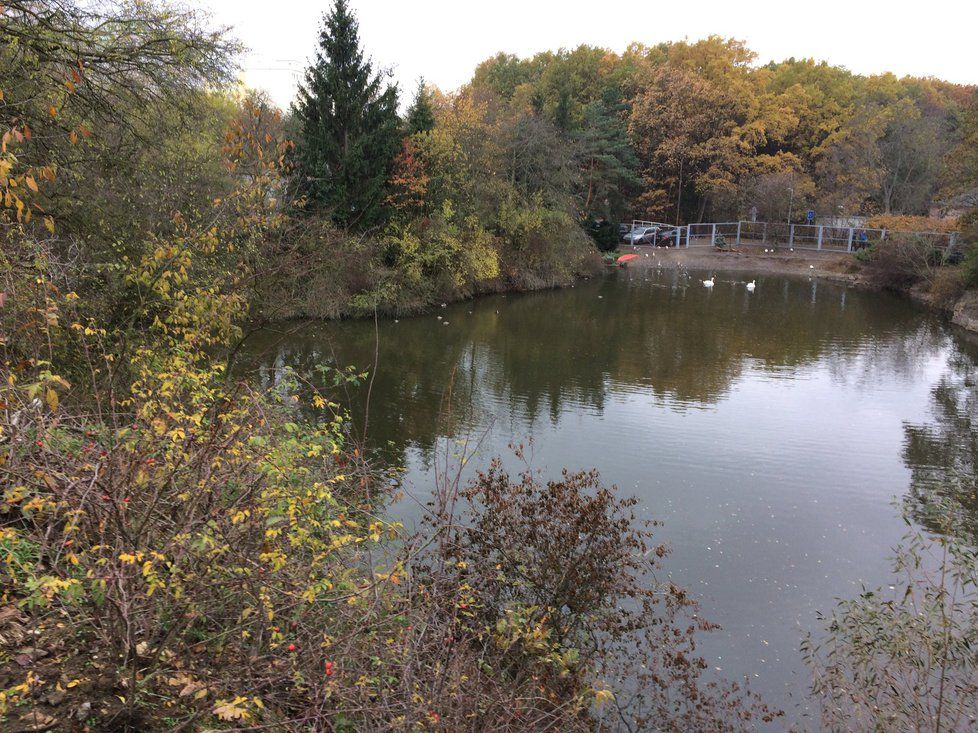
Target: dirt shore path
column 831, row 265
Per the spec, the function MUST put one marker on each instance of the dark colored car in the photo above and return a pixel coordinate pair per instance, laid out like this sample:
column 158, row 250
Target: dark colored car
column 668, row 238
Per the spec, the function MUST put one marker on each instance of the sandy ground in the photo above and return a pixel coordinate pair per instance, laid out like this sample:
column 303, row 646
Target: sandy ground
column 830, row 265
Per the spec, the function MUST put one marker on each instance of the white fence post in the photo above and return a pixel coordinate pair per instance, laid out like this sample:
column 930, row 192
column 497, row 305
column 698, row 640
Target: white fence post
column 713, row 234
column 852, row 230
column 791, row 235
column 738, row 233
column 820, row 228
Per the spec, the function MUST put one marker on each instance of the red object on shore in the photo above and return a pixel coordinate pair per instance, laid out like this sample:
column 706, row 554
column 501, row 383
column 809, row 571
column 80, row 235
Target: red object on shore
column 626, row 258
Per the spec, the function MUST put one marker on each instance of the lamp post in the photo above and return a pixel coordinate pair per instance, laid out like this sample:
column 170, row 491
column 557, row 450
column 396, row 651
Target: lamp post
column 791, row 195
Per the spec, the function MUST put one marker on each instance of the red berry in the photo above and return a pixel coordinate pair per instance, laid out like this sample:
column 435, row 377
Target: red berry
column 292, row 647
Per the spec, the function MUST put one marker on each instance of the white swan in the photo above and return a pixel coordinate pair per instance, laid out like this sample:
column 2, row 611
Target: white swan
column 751, row 285
column 709, row 283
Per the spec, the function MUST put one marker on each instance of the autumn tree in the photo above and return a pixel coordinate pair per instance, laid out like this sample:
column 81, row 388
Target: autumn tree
column 682, row 127
column 348, row 128
column 962, row 161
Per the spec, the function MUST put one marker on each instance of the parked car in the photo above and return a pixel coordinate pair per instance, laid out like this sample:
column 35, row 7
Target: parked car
column 668, row 237
column 642, row 235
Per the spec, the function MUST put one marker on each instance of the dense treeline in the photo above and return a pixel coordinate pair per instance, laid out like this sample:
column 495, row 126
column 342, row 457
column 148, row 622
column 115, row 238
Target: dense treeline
column 487, row 188
column 492, row 184
column 713, row 135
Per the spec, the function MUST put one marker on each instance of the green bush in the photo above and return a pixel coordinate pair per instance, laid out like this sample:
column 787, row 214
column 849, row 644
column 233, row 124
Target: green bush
column 867, row 254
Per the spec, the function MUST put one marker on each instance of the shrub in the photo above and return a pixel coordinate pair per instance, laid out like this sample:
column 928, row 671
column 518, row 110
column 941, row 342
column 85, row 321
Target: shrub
column 553, row 588
column 902, row 261
column 969, row 237
column 910, row 223
column 604, row 233
column 948, row 286
column 867, row 254
column 904, row 659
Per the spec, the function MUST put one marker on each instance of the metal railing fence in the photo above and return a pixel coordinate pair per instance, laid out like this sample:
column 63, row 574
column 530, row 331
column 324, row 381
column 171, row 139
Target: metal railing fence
column 818, row 237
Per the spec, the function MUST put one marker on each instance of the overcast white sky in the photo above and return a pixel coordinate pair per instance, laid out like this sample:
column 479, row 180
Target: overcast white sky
column 443, row 40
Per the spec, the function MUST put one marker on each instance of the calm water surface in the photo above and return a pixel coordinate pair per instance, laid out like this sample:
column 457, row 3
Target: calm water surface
column 776, row 434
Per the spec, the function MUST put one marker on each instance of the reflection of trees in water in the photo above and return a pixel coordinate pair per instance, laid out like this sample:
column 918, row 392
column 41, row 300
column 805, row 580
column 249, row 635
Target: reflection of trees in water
column 904, row 355
column 524, row 358
column 943, row 456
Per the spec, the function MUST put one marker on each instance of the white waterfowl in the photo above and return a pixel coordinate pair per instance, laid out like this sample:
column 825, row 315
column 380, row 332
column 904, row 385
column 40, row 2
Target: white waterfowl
column 751, row 285
column 709, row 283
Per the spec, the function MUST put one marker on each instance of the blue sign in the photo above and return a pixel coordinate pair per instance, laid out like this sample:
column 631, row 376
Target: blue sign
column 810, row 215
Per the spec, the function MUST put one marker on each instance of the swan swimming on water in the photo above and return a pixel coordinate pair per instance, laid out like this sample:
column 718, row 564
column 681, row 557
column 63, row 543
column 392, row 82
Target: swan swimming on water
column 751, row 285
column 709, row 283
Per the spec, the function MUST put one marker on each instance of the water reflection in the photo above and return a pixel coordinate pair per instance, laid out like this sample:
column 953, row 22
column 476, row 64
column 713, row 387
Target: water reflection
column 942, row 453
column 770, row 432
column 520, row 358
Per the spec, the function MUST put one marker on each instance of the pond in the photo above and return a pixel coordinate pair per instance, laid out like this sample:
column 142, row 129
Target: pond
column 779, row 435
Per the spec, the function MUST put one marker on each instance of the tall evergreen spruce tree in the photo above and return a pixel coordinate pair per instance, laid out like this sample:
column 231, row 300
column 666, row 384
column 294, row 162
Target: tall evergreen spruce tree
column 421, row 114
column 348, row 128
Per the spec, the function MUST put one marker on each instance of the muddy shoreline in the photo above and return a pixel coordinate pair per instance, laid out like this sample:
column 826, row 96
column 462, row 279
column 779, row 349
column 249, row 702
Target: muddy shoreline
column 833, row 266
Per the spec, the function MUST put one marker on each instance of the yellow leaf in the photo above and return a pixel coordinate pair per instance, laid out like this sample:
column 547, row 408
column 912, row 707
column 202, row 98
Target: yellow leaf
column 31, row 183
column 73, row 137
column 52, row 111
column 52, row 399
column 49, row 224
column 232, row 710
column 603, row 696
